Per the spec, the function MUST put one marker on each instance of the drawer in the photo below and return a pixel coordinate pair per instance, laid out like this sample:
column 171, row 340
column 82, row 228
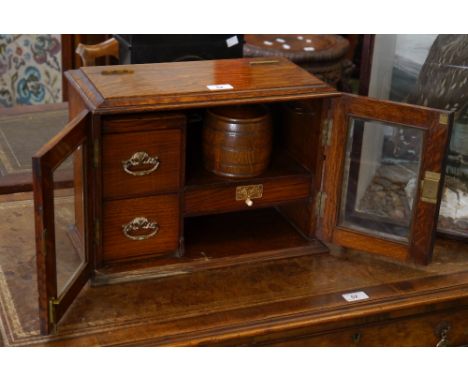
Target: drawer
column 223, row 198
column 142, row 122
column 450, row 328
column 141, row 163
column 140, row 227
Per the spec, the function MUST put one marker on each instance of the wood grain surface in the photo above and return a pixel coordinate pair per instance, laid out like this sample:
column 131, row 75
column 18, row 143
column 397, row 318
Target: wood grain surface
column 184, row 84
column 237, row 140
column 124, row 101
column 163, row 209
column 166, row 145
column 217, row 199
column 422, row 233
column 289, row 301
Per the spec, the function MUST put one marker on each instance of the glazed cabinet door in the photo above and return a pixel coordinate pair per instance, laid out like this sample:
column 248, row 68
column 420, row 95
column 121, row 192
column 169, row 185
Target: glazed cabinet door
column 62, row 220
column 383, row 177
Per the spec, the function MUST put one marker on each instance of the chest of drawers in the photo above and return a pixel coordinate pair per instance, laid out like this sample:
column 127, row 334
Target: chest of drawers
column 144, row 205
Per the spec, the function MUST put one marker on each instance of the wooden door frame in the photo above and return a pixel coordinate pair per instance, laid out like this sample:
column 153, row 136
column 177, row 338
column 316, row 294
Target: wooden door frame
column 436, row 131
column 52, row 304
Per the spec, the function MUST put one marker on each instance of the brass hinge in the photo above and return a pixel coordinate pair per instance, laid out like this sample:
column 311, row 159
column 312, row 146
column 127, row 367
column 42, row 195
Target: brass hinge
column 443, row 119
column 327, row 131
column 320, row 204
column 96, row 153
column 430, row 187
column 53, row 302
column 97, row 231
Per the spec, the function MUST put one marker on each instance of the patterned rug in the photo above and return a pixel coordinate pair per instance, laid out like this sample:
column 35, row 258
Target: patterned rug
column 30, row 69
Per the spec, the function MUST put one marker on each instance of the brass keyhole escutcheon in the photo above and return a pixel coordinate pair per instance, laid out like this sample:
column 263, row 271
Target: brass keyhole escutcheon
column 356, row 337
column 247, row 193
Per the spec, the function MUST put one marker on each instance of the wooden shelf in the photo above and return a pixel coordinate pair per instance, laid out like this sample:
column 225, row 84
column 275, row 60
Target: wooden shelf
column 216, row 241
column 281, row 165
column 284, row 181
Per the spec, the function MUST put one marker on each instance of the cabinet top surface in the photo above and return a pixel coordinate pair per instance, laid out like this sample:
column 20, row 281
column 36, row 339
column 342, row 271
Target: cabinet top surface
column 196, row 83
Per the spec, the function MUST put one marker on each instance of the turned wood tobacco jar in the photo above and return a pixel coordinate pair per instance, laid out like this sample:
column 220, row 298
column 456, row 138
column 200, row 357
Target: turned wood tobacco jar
column 237, row 140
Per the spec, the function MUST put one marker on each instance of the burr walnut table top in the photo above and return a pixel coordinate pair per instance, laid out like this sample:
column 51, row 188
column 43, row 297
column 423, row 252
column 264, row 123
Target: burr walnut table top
column 220, row 306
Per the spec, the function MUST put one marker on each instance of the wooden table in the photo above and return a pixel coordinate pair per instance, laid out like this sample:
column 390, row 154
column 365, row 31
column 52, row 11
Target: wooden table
column 295, row 301
column 233, row 287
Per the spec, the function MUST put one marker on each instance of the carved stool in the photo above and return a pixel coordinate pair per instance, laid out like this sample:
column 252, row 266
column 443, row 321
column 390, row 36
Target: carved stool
column 321, row 55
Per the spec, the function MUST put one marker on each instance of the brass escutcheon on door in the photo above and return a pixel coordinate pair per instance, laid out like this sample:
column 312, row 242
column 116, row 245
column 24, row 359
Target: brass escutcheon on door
column 247, row 193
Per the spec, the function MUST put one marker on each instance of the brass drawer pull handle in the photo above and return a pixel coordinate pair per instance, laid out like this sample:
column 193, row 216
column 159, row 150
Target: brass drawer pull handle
column 139, row 224
column 443, row 335
column 140, row 158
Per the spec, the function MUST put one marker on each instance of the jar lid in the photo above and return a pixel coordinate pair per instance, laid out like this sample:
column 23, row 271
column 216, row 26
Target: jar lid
column 240, row 113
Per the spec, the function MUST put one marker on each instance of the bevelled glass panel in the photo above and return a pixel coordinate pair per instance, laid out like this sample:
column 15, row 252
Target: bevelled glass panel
column 382, row 166
column 69, row 221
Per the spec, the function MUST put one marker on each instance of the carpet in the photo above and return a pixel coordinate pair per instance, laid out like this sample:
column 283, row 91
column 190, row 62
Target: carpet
column 22, row 135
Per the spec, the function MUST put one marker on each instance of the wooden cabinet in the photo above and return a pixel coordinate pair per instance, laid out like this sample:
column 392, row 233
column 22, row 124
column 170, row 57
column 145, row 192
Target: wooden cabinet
column 141, row 190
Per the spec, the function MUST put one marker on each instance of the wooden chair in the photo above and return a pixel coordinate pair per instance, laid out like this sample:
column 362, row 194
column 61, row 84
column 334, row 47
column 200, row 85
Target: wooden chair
column 89, row 53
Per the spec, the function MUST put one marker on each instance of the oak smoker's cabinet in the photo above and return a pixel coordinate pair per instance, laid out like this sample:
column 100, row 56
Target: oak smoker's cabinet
column 361, row 173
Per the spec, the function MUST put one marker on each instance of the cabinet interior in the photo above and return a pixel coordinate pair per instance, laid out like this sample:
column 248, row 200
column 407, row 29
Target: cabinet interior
column 215, row 226
column 294, row 157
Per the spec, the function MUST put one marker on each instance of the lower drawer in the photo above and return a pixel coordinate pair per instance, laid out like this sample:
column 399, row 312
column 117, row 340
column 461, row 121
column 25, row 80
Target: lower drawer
column 140, row 227
column 223, row 198
column 448, row 328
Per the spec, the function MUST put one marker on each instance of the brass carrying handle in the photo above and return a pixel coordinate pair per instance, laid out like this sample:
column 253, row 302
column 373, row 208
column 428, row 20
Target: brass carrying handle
column 263, row 62
column 140, row 158
column 138, row 224
column 117, row 71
